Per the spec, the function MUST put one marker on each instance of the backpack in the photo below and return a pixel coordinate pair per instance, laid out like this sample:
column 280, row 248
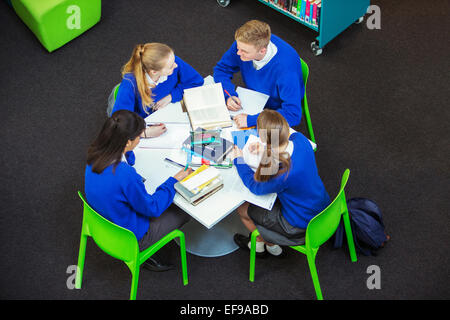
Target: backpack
column 367, row 227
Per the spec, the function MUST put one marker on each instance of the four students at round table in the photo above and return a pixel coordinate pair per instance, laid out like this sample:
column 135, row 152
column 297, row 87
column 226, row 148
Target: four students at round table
column 155, row 77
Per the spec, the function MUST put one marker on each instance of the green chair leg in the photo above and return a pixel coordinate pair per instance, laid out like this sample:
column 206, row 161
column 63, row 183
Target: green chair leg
column 255, row 234
column 183, row 257
column 134, row 282
column 315, row 278
column 81, row 256
column 348, row 232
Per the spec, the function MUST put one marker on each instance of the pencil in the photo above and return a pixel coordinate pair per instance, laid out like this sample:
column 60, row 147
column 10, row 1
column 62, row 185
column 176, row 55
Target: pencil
column 230, row 96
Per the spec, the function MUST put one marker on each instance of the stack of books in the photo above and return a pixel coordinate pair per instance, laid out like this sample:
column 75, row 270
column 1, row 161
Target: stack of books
column 208, row 145
column 200, row 184
column 308, row 11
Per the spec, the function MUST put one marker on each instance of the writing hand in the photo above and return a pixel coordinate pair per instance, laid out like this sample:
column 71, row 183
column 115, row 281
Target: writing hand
column 154, row 131
column 180, row 175
column 234, row 103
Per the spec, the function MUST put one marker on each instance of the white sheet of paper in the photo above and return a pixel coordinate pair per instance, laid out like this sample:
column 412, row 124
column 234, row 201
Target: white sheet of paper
column 172, row 113
column 251, row 159
column 171, row 139
column 252, row 102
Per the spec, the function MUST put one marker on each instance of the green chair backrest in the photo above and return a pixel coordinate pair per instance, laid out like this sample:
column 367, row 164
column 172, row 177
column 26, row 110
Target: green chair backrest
column 116, row 241
column 305, row 72
column 305, row 109
column 116, row 89
column 324, row 225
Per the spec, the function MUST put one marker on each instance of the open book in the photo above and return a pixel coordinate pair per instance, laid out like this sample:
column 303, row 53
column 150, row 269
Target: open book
column 206, row 107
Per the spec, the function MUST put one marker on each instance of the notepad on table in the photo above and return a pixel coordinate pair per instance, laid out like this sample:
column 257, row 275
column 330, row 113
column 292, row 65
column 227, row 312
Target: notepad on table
column 252, row 102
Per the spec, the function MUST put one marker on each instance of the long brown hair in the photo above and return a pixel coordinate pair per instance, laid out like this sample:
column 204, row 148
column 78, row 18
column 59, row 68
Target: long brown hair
column 146, row 57
column 107, row 148
column 273, row 129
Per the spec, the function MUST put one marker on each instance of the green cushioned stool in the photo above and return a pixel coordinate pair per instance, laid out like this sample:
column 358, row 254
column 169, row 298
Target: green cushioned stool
column 56, row 22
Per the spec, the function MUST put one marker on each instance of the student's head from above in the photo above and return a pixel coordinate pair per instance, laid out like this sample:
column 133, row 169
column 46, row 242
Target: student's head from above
column 155, row 59
column 120, row 133
column 252, row 40
column 273, row 131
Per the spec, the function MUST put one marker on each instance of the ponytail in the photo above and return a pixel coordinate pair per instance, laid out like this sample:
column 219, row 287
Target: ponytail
column 274, row 129
column 146, row 57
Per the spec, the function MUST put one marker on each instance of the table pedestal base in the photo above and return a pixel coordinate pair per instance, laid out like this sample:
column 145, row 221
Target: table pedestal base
column 215, row 242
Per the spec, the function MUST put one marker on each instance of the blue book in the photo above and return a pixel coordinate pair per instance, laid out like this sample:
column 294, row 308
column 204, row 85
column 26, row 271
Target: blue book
column 303, row 10
column 240, row 137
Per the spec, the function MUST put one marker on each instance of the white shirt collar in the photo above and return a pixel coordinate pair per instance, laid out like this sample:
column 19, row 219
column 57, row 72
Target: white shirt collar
column 271, row 52
column 151, row 82
column 290, row 148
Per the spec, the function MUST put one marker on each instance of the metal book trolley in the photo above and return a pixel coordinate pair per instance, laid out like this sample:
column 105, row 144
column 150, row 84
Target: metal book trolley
column 335, row 17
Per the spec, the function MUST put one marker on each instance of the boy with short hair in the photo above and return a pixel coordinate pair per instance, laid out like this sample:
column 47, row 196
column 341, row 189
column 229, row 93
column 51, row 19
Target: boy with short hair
column 268, row 65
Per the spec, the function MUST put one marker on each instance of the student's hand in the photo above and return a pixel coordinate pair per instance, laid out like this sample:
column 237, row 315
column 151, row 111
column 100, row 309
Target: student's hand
column 236, row 153
column 241, row 120
column 183, row 174
column 234, row 103
column 255, row 148
column 154, row 131
column 163, row 102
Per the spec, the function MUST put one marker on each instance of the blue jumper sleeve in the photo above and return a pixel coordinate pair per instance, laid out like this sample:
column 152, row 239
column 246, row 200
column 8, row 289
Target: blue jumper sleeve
column 291, row 91
column 126, row 97
column 188, row 77
column 145, row 204
column 226, row 68
column 274, row 185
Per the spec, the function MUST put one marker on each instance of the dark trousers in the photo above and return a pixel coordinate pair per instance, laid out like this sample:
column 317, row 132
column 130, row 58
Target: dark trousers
column 171, row 219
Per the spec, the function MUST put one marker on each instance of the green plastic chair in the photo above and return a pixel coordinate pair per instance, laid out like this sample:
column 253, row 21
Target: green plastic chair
column 121, row 244
column 116, row 89
column 319, row 230
column 56, row 22
column 305, row 109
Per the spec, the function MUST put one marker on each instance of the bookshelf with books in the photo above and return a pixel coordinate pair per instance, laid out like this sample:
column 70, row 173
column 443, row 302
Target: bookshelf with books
column 326, row 17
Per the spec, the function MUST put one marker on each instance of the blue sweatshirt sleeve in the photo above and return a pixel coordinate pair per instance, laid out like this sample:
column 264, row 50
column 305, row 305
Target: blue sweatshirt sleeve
column 226, row 68
column 188, row 77
column 126, row 98
column 274, row 185
column 291, row 91
column 142, row 202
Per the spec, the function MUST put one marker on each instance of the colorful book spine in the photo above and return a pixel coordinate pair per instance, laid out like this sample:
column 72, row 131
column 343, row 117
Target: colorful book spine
column 307, row 9
column 314, row 20
column 319, row 9
column 303, row 10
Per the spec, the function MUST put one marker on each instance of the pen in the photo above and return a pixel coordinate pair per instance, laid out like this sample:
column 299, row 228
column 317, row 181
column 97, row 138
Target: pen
column 173, row 162
column 231, row 97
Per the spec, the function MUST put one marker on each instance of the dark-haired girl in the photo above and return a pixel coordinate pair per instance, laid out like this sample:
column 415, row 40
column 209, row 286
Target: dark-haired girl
column 116, row 191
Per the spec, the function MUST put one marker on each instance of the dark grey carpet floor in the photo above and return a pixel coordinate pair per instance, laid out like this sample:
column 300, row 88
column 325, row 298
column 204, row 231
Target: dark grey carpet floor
column 379, row 105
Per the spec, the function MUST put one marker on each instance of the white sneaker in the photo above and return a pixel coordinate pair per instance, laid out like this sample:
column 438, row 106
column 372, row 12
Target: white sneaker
column 274, row 250
column 259, row 246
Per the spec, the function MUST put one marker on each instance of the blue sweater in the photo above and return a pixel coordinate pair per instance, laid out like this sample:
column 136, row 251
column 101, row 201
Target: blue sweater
column 281, row 78
column 183, row 77
column 121, row 197
column 300, row 190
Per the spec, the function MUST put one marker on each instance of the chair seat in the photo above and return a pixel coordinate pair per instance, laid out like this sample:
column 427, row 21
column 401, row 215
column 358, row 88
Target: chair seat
column 56, row 22
column 276, row 238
